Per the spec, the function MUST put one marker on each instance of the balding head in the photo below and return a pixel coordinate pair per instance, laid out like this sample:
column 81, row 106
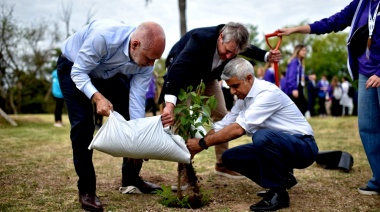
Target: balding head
column 151, row 35
column 147, row 43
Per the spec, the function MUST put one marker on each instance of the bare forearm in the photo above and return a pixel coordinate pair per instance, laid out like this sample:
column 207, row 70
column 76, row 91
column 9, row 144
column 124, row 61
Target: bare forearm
column 305, row 29
column 224, row 135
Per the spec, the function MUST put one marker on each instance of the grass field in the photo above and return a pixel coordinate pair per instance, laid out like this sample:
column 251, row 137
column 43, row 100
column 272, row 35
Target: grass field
column 37, row 174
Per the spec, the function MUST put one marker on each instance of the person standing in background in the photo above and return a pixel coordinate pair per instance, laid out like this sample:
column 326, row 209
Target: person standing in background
column 295, row 77
column 323, row 86
column 283, row 81
column 269, row 74
column 58, row 97
column 312, row 93
column 335, row 94
column 363, row 65
column 150, row 104
column 346, row 101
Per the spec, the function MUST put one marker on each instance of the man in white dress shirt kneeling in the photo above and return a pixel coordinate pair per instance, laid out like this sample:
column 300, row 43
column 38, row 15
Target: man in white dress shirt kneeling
column 282, row 139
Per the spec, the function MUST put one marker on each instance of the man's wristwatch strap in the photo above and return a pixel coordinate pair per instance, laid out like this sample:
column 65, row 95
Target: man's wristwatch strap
column 202, row 143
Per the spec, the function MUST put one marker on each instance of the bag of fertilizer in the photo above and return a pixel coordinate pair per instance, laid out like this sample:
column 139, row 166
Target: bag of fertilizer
column 143, row 138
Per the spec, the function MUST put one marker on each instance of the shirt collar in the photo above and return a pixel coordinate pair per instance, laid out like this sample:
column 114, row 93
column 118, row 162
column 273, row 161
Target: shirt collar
column 126, row 46
column 253, row 92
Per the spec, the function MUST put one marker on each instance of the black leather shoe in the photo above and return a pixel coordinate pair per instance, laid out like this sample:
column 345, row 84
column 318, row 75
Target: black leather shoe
column 140, row 186
column 90, row 202
column 289, row 183
column 273, row 200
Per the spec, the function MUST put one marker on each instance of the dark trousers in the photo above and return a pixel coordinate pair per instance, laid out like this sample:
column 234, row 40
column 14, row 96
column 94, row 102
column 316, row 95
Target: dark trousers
column 80, row 112
column 300, row 101
column 322, row 107
column 58, row 109
column 336, row 108
column 270, row 156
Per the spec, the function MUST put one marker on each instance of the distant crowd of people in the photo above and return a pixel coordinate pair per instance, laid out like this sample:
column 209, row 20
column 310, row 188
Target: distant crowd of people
column 335, row 97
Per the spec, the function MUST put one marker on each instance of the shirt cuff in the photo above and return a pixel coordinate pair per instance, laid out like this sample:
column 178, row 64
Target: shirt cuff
column 266, row 57
column 170, row 98
column 90, row 90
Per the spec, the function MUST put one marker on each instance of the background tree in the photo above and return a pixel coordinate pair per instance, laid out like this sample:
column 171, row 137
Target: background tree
column 10, row 68
column 289, row 42
column 253, row 36
column 328, row 55
column 182, row 16
column 26, row 63
column 65, row 15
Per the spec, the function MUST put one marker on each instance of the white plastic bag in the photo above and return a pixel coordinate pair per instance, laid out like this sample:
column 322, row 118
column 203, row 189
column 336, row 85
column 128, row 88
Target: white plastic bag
column 143, row 138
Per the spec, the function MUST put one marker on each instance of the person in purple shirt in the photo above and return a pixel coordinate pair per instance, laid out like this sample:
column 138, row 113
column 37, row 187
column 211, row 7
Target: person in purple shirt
column 323, row 86
column 282, row 81
column 363, row 65
column 294, row 79
column 150, row 104
column 269, row 73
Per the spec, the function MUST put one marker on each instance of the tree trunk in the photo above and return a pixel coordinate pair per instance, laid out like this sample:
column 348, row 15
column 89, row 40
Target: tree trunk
column 182, row 16
column 3, row 114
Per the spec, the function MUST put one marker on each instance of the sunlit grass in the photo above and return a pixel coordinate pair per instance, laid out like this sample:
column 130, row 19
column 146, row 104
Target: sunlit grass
column 37, row 173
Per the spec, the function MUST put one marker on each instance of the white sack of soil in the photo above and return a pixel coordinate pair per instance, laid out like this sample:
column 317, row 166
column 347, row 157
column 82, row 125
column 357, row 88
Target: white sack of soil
column 143, row 138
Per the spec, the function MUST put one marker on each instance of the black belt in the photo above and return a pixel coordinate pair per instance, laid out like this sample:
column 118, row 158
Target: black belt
column 63, row 56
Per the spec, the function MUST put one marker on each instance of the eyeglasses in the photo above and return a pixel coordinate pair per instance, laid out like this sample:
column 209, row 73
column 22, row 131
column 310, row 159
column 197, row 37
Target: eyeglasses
column 228, row 48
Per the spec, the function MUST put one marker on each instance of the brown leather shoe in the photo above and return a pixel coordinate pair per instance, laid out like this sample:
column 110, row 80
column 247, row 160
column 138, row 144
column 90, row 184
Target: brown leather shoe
column 90, row 202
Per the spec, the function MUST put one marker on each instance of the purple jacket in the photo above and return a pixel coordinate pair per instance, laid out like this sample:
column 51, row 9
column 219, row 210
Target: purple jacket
column 269, row 75
column 152, row 88
column 355, row 15
column 293, row 73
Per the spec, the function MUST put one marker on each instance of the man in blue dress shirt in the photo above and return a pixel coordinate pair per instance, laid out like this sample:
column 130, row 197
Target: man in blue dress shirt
column 108, row 63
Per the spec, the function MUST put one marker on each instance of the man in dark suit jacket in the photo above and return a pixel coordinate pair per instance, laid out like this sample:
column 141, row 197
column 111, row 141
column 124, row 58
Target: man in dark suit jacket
column 200, row 55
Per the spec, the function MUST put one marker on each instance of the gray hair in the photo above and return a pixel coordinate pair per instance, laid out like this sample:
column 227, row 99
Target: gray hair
column 237, row 67
column 236, row 32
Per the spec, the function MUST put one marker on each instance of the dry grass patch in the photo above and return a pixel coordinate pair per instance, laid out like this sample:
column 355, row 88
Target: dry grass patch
column 37, row 174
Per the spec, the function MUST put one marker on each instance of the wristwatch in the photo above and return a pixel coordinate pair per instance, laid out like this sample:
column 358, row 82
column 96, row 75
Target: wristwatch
column 202, row 143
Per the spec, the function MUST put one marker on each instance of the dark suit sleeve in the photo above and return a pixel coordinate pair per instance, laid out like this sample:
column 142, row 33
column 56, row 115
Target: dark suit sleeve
column 189, row 67
column 255, row 53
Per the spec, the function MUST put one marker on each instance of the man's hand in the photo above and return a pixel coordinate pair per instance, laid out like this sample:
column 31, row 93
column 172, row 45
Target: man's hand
column 167, row 116
column 193, row 146
column 274, row 56
column 373, row 82
column 103, row 106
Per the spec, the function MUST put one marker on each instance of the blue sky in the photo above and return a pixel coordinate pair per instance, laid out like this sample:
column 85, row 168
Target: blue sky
column 267, row 15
